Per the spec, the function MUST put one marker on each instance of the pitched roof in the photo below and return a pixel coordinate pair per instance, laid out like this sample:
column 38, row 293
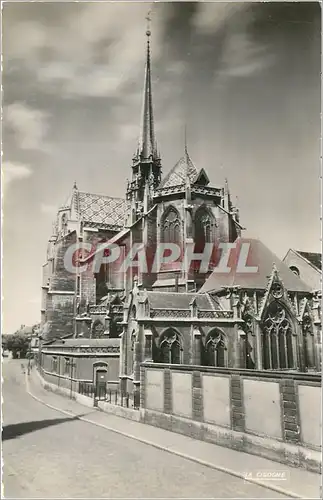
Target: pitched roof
column 100, row 209
column 84, row 342
column 313, row 258
column 177, row 175
column 259, row 256
column 178, row 300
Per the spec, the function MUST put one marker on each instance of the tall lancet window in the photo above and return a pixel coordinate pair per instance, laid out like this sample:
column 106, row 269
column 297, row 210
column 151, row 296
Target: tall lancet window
column 170, row 347
column 277, row 333
column 215, row 349
column 204, row 224
column 171, row 227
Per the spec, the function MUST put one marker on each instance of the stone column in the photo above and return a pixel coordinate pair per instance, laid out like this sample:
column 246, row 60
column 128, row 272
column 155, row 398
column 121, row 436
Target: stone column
column 316, row 310
column 107, row 320
column 259, row 347
column 241, row 349
column 297, row 343
column 196, row 346
column 235, row 355
column 123, row 359
column 136, row 373
column 148, row 346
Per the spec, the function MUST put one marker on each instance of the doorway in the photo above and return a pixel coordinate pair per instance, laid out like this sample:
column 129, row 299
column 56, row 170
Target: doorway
column 101, row 379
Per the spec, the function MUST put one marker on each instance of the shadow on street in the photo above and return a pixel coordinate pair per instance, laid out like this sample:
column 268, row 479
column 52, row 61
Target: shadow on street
column 16, row 430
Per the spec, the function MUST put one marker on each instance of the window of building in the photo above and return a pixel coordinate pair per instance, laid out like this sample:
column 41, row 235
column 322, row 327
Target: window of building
column 171, row 226
column 67, row 366
column 215, row 349
column 277, row 339
column 54, row 364
column 97, row 330
column 295, row 270
column 170, row 347
column 203, row 228
column 64, row 223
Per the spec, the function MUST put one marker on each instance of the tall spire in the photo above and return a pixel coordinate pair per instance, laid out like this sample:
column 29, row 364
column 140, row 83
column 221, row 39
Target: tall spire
column 147, row 142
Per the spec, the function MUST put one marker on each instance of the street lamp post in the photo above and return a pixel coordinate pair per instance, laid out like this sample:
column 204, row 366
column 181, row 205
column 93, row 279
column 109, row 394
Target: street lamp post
column 73, row 365
column 29, row 356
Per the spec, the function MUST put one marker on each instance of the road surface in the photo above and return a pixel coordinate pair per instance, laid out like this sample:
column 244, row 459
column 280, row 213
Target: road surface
column 49, row 455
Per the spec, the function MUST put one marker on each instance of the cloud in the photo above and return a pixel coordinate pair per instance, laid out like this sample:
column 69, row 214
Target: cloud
column 92, row 51
column 14, row 172
column 28, row 125
column 212, row 16
column 48, row 209
column 243, row 57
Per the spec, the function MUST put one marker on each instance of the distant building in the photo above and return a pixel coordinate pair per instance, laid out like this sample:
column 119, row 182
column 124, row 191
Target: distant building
column 307, row 266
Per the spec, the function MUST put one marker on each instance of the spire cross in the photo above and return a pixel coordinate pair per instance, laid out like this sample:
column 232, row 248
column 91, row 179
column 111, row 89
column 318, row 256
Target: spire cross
column 148, row 19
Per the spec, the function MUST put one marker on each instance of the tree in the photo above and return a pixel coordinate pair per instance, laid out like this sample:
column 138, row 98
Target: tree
column 18, row 344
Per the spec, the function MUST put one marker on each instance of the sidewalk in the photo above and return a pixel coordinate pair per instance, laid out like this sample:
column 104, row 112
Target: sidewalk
column 293, row 482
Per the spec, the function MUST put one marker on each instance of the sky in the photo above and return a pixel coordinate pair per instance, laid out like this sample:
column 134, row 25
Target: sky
column 244, row 79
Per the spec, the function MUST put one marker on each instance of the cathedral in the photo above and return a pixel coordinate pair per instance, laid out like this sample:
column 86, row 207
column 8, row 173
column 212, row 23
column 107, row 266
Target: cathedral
column 266, row 320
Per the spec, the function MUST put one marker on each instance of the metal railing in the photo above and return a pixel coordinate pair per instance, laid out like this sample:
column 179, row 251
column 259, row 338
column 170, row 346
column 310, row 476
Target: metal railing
column 86, row 389
column 112, row 396
column 123, row 399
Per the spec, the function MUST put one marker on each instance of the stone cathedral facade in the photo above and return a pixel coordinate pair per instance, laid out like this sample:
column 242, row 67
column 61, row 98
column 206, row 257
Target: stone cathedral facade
column 269, row 320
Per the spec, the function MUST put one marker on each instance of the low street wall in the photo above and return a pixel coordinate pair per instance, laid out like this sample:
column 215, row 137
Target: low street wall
column 273, row 414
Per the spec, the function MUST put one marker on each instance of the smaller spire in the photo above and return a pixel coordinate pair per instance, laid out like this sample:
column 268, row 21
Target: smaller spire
column 227, row 197
column 75, row 185
column 185, row 140
column 148, row 19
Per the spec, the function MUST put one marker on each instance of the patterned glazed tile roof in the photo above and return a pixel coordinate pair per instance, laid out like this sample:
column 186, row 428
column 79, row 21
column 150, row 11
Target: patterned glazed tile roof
column 178, row 300
column 177, row 174
column 101, row 209
column 261, row 257
column 314, row 258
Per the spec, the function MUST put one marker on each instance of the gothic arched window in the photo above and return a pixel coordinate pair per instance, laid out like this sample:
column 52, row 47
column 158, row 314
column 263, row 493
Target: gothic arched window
column 97, row 330
column 203, row 228
column 308, row 341
column 170, row 347
column 64, row 223
column 171, row 226
column 277, row 339
column 215, row 349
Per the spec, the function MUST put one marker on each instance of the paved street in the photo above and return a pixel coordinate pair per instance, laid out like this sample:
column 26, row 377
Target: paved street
column 47, row 454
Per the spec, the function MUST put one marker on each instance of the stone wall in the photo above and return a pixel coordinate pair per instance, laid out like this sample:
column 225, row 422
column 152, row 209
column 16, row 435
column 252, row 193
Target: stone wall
column 273, row 414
